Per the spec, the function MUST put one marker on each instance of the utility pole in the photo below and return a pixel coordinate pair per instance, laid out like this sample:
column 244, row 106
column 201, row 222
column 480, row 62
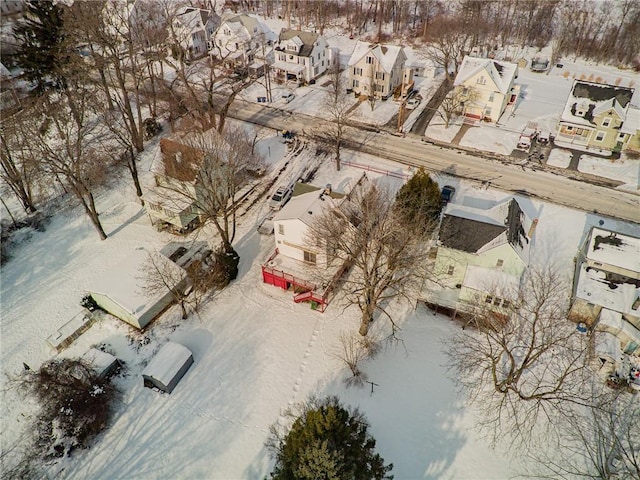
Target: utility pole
column 267, row 79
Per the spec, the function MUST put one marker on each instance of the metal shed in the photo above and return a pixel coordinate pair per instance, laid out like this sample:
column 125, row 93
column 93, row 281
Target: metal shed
column 168, row 366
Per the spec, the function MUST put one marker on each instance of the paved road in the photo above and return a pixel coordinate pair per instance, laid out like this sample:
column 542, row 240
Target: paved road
column 544, row 184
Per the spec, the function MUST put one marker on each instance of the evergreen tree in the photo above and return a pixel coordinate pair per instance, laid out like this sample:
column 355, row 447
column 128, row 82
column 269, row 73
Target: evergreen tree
column 40, row 37
column 419, row 202
column 328, row 442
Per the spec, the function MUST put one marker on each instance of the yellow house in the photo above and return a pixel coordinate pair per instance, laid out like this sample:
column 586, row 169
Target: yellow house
column 376, row 69
column 481, row 256
column 596, row 118
column 486, row 87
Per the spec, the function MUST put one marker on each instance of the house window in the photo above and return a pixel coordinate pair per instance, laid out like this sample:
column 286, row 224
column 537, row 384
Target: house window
column 309, row 257
column 489, row 299
column 379, row 88
column 499, row 263
column 481, row 81
column 606, row 122
column 600, row 136
column 357, row 71
column 492, row 97
column 450, row 270
column 496, row 301
column 370, row 60
column 356, row 83
column 621, row 136
column 487, row 112
column 280, row 229
column 506, row 304
column 290, row 57
column 379, row 75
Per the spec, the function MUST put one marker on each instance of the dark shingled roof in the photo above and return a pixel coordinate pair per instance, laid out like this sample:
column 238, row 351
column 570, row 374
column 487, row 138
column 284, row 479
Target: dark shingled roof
column 466, row 234
column 308, row 39
column 598, row 92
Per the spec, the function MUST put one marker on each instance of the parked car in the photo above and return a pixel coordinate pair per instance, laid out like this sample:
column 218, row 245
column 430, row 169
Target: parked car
column 524, row 143
column 282, row 196
column 288, row 97
column 447, row 194
column 543, row 137
column 413, row 102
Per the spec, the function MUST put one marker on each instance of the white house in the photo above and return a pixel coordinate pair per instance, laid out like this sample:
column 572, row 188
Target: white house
column 607, row 286
column 302, row 56
column 193, row 27
column 481, row 256
column 486, row 87
column 241, row 40
column 378, row 70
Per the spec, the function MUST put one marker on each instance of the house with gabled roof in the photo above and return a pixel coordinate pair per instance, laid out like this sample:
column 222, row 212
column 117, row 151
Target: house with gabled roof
column 377, row 70
column 299, row 262
column 594, row 118
column 481, row 256
column 242, row 42
column 606, row 293
column 302, row 56
column 486, row 87
column 193, row 28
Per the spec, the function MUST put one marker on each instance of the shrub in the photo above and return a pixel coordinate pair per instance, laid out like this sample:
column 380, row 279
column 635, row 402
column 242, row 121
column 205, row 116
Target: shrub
column 327, row 441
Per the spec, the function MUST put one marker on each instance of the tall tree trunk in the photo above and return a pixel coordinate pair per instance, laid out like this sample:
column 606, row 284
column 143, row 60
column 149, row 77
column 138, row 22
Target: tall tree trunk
column 366, row 319
column 133, row 168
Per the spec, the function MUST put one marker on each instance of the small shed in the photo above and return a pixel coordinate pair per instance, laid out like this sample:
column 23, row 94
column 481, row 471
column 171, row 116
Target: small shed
column 103, row 363
column 168, row 366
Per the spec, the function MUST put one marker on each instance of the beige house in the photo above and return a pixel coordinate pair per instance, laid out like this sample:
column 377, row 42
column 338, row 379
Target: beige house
column 599, row 117
column 486, row 87
column 302, row 56
column 481, row 256
column 377, row 70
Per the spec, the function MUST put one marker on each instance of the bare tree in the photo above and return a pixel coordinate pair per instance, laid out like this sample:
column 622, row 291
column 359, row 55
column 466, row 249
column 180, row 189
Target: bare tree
column 449, row 42
column 353, row 351
column 18, row 160
column 599, row 441
column 388, row 259
column 161, row 277
column 453, row 104
column 72, row 143
column 528, row 361
column 213, row 178
column 340, row 110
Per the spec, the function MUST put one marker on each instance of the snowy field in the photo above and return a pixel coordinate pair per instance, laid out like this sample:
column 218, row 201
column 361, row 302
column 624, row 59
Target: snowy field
column 559, row 157
column 256, row 351
column 624, row 169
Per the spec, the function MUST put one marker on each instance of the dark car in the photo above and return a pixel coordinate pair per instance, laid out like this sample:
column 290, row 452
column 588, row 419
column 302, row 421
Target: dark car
column 447, row 194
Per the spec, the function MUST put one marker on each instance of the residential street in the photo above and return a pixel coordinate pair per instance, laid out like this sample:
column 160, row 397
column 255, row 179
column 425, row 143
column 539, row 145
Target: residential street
column 578, row 191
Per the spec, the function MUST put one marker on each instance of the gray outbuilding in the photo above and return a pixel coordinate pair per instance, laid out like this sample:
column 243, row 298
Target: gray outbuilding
column 168, row 366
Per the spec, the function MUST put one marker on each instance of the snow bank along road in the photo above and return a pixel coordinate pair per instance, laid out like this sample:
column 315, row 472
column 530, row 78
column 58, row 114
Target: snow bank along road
column 544, row 185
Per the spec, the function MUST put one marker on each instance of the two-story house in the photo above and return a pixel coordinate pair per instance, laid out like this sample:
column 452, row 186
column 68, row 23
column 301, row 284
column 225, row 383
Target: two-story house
column 172, row 203
column 485, row 88
column 376, row 69
column 594, row 117
column 301, row 56
column 606, row 293
column 241, row 41
column 481, row 256
column 193, row 28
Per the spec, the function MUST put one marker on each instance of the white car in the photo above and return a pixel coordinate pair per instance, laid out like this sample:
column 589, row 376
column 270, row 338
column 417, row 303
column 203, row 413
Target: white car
column 413, row 102
column 282, row 196
column 288, row 97
column 543, row 137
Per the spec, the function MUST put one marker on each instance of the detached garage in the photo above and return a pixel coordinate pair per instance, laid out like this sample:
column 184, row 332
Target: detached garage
column 167, row 368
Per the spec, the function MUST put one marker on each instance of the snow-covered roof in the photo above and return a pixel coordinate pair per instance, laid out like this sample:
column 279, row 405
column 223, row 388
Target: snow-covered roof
column 124, row 285
column 289, row 67
column 242, row 25
column 594, row 287
column 386, row 55
column 490, row 280
column 632, row 124
column 616, row 249
column 303, row 40
column 587, row 99
column 613, row 322
column 501, row 73
column 100, row 361
column 192, row 18
column 607, row 345
column 167, row 362
column 306, row 207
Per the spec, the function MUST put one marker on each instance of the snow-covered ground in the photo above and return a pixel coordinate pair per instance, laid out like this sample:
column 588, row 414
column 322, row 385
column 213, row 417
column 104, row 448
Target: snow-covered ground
column 256, row 351
column 559, row 157
column 626, row 170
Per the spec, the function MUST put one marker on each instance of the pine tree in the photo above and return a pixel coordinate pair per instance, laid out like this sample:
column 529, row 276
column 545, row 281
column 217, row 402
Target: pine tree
column 419, row 202
column 326, row 442
column 40, row 36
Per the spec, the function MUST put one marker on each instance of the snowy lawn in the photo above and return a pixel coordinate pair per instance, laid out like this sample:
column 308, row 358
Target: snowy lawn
column 626, row 170
column 490, row 139
column 559, row 157
column 437, row 130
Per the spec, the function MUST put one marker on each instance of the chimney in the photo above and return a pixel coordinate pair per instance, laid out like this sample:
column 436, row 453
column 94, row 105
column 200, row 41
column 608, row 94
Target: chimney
column 327, row 189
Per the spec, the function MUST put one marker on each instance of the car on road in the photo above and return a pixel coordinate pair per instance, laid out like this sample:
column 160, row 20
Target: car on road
column 543, row 137
column 287, row 97
column 282, row 196
column 413, row 102
column 447, row 194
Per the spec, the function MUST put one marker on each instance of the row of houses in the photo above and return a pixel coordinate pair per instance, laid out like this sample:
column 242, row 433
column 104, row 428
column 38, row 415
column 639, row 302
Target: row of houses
column 595, row 116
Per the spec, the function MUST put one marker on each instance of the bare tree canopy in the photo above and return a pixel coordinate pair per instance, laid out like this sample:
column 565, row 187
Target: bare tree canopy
column 388, row 259
column 524, row 361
